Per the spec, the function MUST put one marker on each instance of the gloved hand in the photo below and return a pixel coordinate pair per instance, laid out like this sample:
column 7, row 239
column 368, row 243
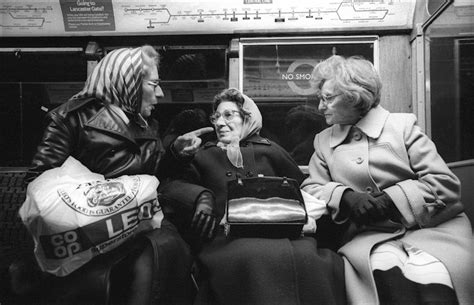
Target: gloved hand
column 362, row 208
column 387, row 207
column 204, row 221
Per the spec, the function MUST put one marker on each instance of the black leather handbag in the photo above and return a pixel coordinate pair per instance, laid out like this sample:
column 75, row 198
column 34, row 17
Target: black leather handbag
column 269, row 207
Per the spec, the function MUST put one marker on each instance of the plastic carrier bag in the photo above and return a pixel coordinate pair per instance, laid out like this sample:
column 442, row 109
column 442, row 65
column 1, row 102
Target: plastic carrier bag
column 75, row 215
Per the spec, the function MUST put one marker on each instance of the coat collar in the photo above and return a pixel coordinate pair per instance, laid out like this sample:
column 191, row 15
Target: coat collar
column 371, row 124
column 107, row 119
column 257, row 139
column 74, row 104
column 110, row 120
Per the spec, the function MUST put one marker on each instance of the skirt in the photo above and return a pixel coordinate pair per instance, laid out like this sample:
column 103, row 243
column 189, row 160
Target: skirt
column 269, row 271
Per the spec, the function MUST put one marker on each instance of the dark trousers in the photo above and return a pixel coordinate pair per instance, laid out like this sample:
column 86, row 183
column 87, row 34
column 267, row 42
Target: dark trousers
column 394, row 289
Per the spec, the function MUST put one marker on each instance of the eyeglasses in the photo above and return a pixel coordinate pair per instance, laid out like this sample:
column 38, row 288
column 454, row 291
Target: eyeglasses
column 328, row 99
column 227, row 115
column 153, row 83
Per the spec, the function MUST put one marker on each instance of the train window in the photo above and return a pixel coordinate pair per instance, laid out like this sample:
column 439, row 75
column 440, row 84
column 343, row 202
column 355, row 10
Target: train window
column 43, row 64
column 193, row 63
column 34, row 80
column 276, row 73
column 450, row 71
column 191, row 76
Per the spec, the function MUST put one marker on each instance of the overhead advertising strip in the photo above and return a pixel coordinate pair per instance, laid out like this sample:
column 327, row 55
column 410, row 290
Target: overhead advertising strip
column 137, row 17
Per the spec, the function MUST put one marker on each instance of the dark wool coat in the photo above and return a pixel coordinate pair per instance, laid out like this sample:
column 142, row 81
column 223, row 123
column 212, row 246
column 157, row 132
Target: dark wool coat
column 252, row 270
column 211, row 170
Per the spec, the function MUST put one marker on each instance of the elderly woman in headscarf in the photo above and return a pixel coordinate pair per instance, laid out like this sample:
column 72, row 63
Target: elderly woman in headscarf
column 246, row 270
column 109, row 128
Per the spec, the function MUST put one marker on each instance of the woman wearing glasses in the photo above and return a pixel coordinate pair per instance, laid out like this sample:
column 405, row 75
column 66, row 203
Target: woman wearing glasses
column 247, row 270
column 408, row 241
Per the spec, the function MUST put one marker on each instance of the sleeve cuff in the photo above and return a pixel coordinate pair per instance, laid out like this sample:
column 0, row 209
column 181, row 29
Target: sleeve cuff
column 178, row 156
column 334, row 195
column 408, row 200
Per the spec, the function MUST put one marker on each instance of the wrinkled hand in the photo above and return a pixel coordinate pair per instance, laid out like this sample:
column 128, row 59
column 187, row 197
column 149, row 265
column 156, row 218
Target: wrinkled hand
column 204, row 221
column 188, row 143
column 363, row 208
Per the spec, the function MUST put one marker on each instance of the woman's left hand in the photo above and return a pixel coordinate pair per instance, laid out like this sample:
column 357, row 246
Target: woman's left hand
column 386, row 207
column 204, row 221
column 364, row 208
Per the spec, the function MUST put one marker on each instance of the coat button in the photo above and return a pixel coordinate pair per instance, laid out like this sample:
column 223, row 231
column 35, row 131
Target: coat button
column 369, row 189
column 228, row 173
column 359, row 160
column 357, row 136
column 249, row 174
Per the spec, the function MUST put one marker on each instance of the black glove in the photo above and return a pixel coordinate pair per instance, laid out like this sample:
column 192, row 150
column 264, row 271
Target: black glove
column 362, row 208
column 204, row 221
column 387, row 207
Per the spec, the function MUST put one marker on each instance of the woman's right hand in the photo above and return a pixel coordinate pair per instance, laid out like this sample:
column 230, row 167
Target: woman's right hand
column 204, row 221
column 188, row 144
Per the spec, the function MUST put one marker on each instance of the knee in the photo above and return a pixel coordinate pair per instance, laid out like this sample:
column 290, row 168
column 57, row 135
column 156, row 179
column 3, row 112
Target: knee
column 143, row 265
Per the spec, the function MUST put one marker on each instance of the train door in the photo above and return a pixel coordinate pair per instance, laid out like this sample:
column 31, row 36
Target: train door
column 445, row 87
column 449, row 80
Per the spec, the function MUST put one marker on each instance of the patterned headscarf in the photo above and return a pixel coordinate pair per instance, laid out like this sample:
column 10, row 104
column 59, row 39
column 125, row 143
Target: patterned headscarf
column 117, row 80
column 252, row 125
column 253, row 122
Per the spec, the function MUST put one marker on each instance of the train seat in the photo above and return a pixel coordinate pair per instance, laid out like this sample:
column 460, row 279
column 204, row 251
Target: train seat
column 16, row 252
column 464, row 170
column 15, row 241
column 21, row 281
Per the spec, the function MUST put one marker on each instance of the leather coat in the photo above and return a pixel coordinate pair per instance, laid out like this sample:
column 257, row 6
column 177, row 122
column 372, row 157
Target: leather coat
column 98, row 137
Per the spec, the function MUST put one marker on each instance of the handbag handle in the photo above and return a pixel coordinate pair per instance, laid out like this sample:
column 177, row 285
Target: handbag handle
column 284, row 183
column 239, row 180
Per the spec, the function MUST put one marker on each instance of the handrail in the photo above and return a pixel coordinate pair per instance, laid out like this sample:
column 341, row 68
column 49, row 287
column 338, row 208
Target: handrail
column 462, row 163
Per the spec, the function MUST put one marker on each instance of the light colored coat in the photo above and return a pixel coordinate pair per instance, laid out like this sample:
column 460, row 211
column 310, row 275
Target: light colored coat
column 389, row 152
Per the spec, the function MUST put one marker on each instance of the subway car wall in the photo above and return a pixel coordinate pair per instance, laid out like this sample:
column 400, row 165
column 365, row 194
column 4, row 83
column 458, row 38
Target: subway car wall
column 37, row 78
column 265, row 48
column 268, row 56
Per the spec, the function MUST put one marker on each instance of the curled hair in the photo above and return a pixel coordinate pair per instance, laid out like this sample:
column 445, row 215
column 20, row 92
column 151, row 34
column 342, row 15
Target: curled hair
column 354, row 77
column 150, row 58
column 231, row 95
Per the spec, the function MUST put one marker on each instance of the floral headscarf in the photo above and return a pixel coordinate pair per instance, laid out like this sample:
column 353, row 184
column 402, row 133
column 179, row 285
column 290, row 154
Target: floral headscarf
column 252, row 125
column 117, row 80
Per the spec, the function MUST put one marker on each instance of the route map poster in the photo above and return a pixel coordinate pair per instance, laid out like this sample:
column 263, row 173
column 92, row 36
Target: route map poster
column 168, row 17
column 83, row 15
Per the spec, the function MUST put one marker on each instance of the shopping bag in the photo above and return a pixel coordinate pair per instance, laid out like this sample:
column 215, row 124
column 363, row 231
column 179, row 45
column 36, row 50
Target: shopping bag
column 75, row 215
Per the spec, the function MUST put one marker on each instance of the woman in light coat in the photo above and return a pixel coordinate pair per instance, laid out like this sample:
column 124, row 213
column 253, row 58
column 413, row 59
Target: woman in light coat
column 408, row 240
